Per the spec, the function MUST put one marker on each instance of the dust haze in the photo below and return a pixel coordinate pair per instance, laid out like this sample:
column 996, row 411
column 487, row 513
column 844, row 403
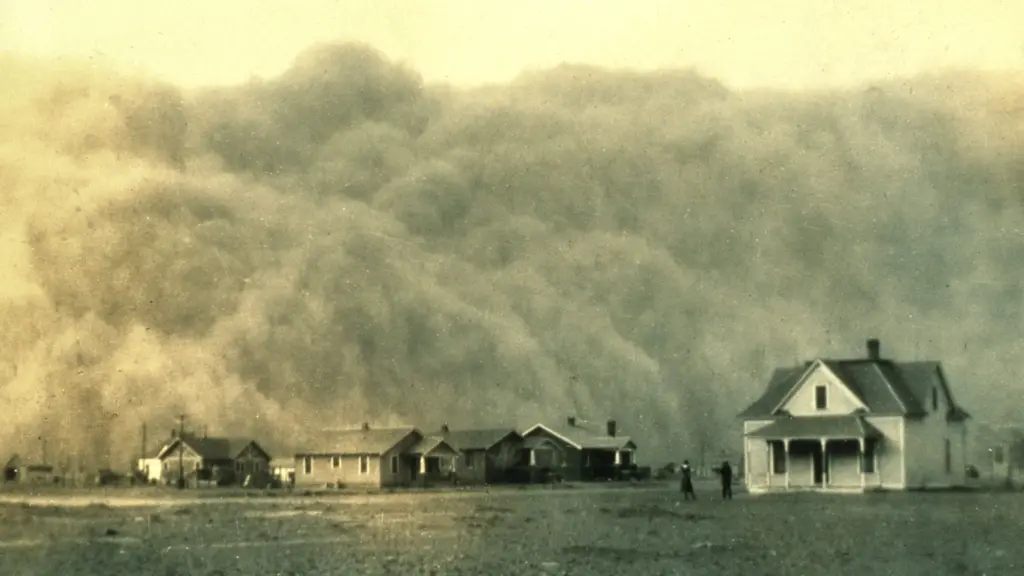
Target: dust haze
column 344, row 243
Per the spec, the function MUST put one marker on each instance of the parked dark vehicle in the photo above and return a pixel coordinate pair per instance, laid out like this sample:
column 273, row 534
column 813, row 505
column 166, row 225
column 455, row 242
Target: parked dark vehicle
column 633, row 472
column 109, row 478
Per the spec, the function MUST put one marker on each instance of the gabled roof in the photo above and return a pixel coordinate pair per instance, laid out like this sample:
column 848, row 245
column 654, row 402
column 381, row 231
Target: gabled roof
column 278, row 450
column 432, row 444
column 538, row 441
column 358, row 441
column 829, row 367
column 829, row 427
column 212, row 448
column 583, row 439
column 478, row 439
column 887, row 388
column 156, row 451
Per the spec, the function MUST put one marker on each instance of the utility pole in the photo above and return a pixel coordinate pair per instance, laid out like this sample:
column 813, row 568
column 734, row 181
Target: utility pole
column 181, row 452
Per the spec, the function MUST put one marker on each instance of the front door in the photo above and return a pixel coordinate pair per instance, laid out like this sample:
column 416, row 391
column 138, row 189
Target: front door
column 820, row 471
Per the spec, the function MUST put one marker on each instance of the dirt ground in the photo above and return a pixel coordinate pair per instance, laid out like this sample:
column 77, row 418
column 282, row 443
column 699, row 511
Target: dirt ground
column 534, row 531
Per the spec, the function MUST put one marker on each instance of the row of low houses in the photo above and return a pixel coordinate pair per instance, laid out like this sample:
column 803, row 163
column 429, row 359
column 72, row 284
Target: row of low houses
column 853, row 424
column 403, row 456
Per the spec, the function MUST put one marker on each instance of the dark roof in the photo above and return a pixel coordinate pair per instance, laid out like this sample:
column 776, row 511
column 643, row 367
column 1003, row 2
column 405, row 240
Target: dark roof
column 156, row 451
column 478, row 439
column 357, row 441
column 782, row 381
column 278, row 450
column 16, row 461
column 887, row 388
column 584, row 439
column 213, row 448
column 537, row 441
column 835, row 427
column 430, row 445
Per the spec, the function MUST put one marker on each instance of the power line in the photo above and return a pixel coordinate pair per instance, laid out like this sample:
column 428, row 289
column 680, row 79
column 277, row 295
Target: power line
column 181, row 452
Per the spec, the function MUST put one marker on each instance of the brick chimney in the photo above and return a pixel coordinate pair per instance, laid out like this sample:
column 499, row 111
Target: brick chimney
column 874, row 349
column 571, row 420
column 611, row 428
column 445, row 429
column 366, row 425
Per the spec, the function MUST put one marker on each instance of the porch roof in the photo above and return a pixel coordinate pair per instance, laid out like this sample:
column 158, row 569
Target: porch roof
column 828, row 427
column 432, row 445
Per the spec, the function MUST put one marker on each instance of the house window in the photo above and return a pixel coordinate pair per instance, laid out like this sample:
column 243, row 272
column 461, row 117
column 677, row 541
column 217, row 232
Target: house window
column 820, row 397
column 949, row 457
column 935, row 399
column 997, row 455
column 778, row 458
column 394, row 464
column 307, row 465
column 364, row 464
column 335, row 462
column 867, row 463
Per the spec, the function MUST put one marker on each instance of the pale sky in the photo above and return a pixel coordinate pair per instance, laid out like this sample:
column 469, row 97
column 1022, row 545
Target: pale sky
column 780, row 43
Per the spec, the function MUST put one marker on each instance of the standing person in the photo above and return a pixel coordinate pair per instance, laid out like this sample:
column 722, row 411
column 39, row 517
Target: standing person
column 686, row 483
column 725, row 472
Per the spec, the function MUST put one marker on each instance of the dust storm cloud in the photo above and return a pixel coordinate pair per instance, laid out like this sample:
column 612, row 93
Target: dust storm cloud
column 344, row 244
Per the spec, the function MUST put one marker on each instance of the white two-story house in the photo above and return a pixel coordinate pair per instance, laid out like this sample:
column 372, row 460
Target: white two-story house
column 855, row 425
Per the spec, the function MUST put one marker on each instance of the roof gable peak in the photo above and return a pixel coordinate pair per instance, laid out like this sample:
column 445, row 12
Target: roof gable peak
column 811, row 368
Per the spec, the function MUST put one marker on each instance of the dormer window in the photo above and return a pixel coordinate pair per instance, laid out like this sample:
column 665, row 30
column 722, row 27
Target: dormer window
column 935, row 399
column 820, row 397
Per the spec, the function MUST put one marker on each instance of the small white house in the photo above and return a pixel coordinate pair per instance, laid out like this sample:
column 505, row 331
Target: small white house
column 151, row 469
column 151, row 466
column 855, row 425
column 283, row 470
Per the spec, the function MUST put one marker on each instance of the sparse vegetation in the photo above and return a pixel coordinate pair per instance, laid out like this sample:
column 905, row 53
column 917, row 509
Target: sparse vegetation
column 585, row 531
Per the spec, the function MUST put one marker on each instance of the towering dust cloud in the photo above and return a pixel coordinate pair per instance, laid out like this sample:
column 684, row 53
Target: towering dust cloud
column 344, row 244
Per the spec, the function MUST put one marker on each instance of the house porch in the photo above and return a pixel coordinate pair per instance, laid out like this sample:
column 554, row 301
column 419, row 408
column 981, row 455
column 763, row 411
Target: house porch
column 431, row 460
column 815, row 454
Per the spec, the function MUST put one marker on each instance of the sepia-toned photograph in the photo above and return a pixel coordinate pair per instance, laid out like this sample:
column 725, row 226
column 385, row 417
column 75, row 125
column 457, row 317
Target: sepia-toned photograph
column 511, row 287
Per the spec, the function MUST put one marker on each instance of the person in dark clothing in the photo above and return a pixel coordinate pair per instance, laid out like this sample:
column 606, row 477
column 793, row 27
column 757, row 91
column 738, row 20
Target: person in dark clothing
column 725, row 473
column 686, row 483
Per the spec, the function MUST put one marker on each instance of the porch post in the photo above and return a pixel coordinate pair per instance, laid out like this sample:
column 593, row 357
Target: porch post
column 863, row 479
column 618, row 458
column 786, row 445
column 824, row 463
column 533, row 457
column 771, row 462
column 423, row 464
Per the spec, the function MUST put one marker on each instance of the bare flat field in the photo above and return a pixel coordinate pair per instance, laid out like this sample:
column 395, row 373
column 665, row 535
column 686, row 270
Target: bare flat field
column 508, row 531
